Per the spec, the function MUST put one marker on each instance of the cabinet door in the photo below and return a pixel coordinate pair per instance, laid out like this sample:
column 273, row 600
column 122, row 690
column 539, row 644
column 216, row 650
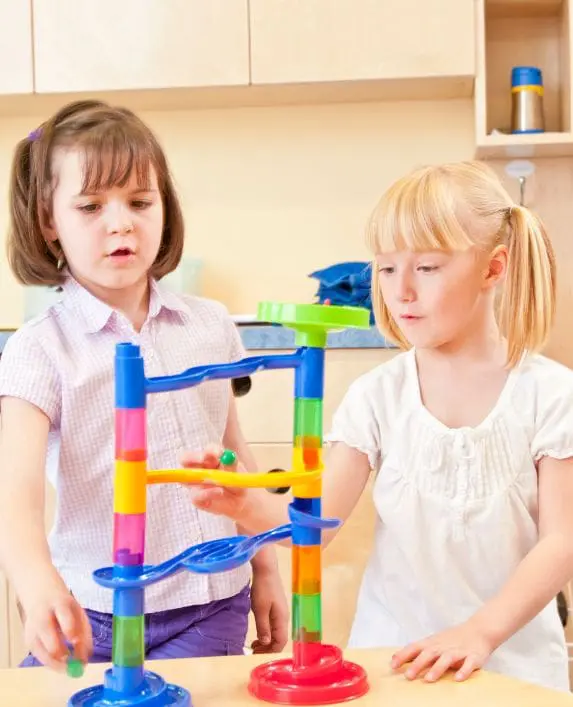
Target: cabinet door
column 298, row 41
column 139, row 44
column 16, row 75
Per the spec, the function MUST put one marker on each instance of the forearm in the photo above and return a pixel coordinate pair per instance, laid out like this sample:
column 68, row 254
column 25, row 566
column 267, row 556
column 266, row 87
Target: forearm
column 23, row 535
column 544, row 571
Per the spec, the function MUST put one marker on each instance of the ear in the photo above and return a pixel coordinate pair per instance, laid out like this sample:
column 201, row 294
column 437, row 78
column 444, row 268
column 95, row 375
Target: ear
column 48, row 227
column 496, row 266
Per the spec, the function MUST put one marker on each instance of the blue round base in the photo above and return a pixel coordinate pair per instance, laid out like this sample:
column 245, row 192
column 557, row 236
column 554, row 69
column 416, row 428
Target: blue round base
column 155, row 692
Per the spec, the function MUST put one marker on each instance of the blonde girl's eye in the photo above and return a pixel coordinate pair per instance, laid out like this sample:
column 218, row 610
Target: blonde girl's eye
column 428, row 268
column 385, row 269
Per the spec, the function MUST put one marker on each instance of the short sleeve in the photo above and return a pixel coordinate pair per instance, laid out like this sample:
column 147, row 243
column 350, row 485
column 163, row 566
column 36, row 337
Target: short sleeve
column 355, row 424
column 27, row 372
column 236, row 348
column 553, row 431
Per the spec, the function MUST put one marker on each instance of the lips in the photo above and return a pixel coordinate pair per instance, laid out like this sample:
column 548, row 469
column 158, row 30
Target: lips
column 121, row 252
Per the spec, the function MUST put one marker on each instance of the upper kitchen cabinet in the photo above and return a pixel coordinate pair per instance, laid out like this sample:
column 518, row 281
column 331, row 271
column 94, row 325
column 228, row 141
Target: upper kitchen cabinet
column 416, row 49
column 16, row 75
column 134, row 45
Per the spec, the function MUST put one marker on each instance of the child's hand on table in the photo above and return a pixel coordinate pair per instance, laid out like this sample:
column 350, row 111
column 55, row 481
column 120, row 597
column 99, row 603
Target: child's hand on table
column 463, row 648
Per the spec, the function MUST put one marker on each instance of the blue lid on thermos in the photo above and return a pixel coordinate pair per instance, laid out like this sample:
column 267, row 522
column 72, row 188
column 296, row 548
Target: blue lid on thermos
column 526, row 76
column 527, row 100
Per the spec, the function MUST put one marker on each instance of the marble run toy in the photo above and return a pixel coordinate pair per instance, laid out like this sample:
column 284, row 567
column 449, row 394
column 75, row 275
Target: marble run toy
column 316, row 673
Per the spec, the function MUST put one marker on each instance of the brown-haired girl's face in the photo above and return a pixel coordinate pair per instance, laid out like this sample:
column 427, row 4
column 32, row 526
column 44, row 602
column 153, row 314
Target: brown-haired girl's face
column 111, row 234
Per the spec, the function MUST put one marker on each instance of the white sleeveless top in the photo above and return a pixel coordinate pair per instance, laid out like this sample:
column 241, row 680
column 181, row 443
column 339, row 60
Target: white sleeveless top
column 456, row 508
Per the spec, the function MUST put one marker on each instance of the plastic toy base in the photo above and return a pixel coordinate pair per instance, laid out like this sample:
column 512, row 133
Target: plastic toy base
column 155, row 692
column 327, row 679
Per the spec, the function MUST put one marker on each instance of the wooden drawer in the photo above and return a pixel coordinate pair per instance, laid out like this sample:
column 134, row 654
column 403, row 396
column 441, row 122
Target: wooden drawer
column 266, row 412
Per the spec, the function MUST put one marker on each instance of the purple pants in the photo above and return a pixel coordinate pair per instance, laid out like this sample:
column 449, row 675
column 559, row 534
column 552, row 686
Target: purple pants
column 217, row 628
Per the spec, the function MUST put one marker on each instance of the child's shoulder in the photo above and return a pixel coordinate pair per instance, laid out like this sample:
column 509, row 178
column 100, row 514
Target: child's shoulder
column 386, row 385
column 37, row 333
column 204, row 309
column 544, row 375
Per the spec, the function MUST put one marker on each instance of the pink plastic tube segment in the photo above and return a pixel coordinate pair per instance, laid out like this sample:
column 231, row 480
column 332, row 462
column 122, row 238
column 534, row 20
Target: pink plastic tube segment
column 128, row 538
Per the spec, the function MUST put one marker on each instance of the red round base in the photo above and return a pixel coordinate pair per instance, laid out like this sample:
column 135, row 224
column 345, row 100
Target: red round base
column 325, row 680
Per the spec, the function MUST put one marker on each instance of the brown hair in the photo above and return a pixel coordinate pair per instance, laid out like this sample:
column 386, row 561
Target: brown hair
column 115, row 143
column 457, row 206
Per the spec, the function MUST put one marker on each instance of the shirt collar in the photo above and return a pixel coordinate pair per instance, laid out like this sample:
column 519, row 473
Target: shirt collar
column 95, row 314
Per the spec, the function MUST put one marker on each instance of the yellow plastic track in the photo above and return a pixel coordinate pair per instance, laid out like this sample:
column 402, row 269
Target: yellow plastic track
column 232, row 478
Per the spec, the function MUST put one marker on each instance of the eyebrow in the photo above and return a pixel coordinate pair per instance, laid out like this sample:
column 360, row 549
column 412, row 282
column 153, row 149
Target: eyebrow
column 133, row 192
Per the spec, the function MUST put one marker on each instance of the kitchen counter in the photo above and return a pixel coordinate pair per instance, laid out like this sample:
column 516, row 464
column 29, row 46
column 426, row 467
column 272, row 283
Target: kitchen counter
column 268, row 336
column 222, row 682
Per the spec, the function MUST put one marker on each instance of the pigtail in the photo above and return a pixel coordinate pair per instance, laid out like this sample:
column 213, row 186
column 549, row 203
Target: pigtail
column 527, row 307
column 20, row 227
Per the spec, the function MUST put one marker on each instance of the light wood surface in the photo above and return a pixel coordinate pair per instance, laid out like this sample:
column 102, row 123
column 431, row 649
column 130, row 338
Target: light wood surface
column 110, row 45
column 222, row 682
column 319, row 40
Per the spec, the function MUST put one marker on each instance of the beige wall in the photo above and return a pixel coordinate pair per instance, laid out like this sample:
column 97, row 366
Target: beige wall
column 272, row 193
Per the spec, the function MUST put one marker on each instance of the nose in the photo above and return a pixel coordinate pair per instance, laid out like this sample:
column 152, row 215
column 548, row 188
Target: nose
column 118, row 219
column 405, row 291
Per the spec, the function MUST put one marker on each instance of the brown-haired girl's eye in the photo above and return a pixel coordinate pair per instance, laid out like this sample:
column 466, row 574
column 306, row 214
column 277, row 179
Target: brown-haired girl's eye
column 89, row 208
column 141, row 204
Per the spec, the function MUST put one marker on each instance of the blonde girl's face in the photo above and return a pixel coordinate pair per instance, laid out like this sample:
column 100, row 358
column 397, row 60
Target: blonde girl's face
column 436, row 296
column 110, row 236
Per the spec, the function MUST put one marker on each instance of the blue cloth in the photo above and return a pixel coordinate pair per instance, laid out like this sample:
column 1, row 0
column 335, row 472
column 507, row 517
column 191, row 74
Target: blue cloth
column 346, row 284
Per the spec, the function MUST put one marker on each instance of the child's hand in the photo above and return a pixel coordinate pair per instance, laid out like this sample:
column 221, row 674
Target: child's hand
column 463, row 648
column 53, row 620
column 220, row 500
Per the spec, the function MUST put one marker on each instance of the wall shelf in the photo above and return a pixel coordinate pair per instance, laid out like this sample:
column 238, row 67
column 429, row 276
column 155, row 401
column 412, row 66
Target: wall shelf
column 531, row 33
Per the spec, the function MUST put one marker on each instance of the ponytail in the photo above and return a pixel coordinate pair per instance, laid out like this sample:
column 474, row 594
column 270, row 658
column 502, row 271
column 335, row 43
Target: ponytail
column 527, row 307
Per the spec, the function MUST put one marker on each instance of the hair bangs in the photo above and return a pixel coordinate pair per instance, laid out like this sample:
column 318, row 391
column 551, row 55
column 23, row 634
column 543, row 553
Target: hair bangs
column 418, row 213
column 113, row 156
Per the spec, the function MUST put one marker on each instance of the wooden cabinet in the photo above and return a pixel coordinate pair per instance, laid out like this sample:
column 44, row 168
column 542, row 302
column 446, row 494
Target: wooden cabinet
column 523, row 33
column 130, row 45
column 300, row 41
column 16, row 75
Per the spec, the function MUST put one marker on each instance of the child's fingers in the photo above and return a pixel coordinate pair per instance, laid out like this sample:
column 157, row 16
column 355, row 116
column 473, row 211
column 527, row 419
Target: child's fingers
column 212, row 457
column 209, row 458
column 75, row 626
column 48, row 645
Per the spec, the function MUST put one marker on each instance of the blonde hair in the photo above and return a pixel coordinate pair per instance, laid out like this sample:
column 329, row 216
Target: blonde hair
column 462, row 205
column 115, row 142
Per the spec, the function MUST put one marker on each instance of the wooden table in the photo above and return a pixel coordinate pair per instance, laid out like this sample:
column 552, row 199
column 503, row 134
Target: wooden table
column 222, row 682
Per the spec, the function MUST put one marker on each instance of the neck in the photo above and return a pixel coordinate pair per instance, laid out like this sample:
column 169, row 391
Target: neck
column 132, row 302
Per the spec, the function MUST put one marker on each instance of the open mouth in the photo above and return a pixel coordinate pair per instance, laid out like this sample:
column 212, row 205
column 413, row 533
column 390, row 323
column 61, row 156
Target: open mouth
column 121, row 253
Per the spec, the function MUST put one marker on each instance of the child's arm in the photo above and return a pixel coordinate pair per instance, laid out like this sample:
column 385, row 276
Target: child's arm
column 268, row 599
column 537, row 580
column 24, row 551
column 256, row 510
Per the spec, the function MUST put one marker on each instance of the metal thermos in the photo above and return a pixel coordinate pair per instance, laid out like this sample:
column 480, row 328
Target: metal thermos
column 527, row 100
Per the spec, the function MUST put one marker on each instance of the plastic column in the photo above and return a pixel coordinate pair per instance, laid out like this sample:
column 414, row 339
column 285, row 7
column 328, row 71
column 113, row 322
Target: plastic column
column 129, row 517
column 306, row 542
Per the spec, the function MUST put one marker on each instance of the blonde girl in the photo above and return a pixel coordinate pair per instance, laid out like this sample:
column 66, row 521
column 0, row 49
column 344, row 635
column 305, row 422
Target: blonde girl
column 468, row 434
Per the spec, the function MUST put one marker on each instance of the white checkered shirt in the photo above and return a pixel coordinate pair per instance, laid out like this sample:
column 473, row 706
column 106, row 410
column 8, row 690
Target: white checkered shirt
column 62, row 362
